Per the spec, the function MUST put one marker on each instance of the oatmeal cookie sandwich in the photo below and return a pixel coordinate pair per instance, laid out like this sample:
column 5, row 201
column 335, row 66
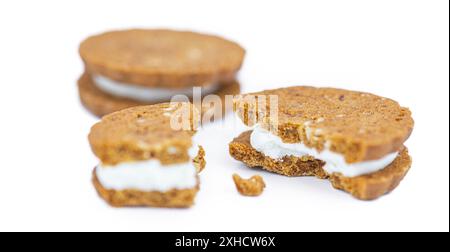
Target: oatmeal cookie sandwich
column 354, row 139
column 144, row 160
column 130, row 68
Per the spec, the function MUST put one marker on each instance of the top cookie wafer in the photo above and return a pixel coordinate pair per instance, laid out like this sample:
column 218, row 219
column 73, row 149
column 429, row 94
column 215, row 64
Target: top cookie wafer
column 145, row 132
column 162, row 58
column 361, row 126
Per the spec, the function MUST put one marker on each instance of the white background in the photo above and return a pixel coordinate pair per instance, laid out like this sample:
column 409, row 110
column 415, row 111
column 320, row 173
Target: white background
column 398, row 49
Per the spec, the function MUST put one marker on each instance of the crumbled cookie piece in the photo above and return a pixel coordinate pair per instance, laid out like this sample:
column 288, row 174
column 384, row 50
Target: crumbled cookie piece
column 199, row 161
column 249, row 187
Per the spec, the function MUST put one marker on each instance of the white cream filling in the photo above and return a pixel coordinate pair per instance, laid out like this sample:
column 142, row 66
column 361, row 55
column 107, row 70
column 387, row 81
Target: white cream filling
column 272, row 146
column 149, row 175
column 145, row 94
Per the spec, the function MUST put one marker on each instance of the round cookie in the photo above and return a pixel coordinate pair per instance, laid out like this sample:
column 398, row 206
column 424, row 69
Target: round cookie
column 142, row 133
column 101, row 103
column 162, row 58
column 361, row 126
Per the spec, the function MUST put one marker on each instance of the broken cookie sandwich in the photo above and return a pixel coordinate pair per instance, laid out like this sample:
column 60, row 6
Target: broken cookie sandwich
column 144, row 160
column 129, row 68
column 354, row 139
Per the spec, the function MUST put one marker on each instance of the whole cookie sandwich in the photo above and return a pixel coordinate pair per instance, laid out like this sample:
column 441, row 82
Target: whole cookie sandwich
column 129, row 68
column 354, row 139
column 144, row 159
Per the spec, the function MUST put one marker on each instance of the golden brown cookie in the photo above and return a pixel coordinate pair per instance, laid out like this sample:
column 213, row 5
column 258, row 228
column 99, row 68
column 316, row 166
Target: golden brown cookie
column 354, row 139
column 142, row 133
column 162, row 58
column 134, row 198
column 361, row 126
column 365, row 187
column 101, row 103
column 147, row 156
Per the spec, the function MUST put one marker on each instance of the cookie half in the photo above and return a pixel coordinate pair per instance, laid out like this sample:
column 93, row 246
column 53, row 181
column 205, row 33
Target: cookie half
column 144, row 161
column 364, row 187
column 342, row 135
column 101, row 103
column 360, row 126
column 175, row 198
column 162, row 58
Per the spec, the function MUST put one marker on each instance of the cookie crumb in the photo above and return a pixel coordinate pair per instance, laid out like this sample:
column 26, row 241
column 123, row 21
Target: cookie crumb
column 199, row 161
column 249, row 187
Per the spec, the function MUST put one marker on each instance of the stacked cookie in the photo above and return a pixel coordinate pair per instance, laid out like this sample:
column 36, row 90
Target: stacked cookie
column 144, row 161
column 142, row 67
column 353, row 139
